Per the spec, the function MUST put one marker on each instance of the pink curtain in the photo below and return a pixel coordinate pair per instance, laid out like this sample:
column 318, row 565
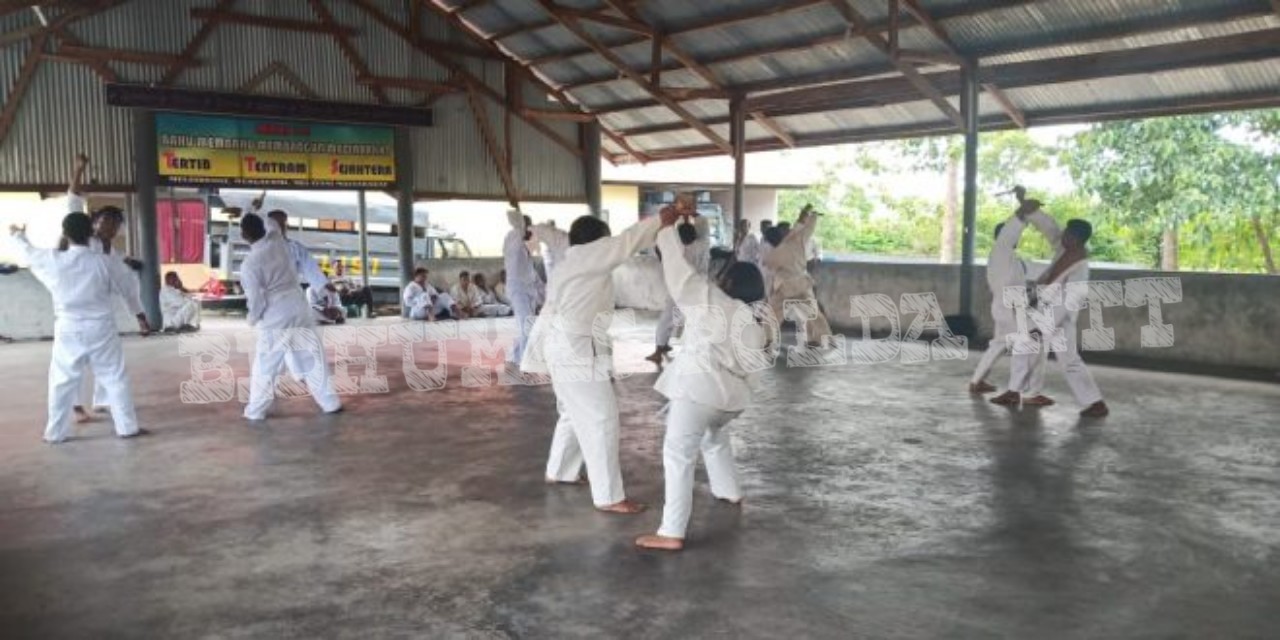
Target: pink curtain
column 181, row 233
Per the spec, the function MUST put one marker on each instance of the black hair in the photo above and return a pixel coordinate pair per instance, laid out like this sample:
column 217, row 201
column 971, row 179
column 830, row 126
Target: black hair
column 420, row 271
column 253, row 226
column 464, row 274
column 77, row 227
column 528, row 222
column 999, row 227
column 742, row 281
column 110, row 212
column 277, row 213
column 687, row 232
column 170, row 273
column 784, row 225
column 774, row 235
column 1080, row 229
column 587, row 229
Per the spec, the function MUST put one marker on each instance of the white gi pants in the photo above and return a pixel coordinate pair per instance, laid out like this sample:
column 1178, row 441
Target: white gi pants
column 586, row 433
column 93, row 345
column 525, row 306
column 1026, row 371
column 1005, row 324
column 181, row 315
column 443, row 303
column 693, row 427
column 298, row 348
column 667, row 323
column 91, row 393
column 816, row 329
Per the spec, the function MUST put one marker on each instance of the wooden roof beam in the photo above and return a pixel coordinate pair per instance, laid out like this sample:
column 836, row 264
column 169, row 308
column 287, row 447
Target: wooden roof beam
column 348, row 50
column 123, row 55
column 271, row 22
column 193, row 45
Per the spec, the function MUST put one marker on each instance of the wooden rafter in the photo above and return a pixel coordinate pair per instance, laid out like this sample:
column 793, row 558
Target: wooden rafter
column 9, row 113
column 459, row 71
column 193, row 46
column 271, row 22
column 860, row 24
column 123, row 55
column 278, row 68
column 626, row 146
column 574, row 26
column 491, row 144
column 784, row 6
column 456, row 19
column 348, row 50
column 774, row 127
column 625, row 24
column 698, row 68
column 566, row 116
column 1015, row 114
column 410, row 84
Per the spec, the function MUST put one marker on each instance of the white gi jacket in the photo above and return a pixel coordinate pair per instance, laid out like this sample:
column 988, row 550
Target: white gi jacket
column 270, row 283
column 708, row 370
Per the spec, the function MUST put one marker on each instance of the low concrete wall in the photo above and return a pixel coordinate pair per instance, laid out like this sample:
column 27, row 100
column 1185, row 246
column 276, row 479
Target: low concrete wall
column 26, row 309
column 1223, row 320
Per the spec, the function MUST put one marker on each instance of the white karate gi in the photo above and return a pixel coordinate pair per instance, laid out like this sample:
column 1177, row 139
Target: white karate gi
column 1004, row 269
column 749, row 249
column 83, row 283
column 420, row 299
column 1026, row 370
column 561, row 344
column 177, row 308
column 278, row 308
column 322, row 299
column 305, row 265
column 698, row 254
column 707, row 386
column 762, row 256
column 555, row 242
column 790, row 279
column 490, row 306
column 524, row 288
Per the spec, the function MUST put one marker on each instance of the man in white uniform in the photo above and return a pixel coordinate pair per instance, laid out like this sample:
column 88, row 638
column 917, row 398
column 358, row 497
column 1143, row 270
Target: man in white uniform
column 489, row 303
column 747, row 245
column 278, row 309
column 555, row 242
column 563, row 344
column 327, row 305
column 790, row 278
column 708, row 386
column 179, row 311
column 762, row 254
column 1071, row 265
column 524, row 288
column 424, row 302
column 83, row 284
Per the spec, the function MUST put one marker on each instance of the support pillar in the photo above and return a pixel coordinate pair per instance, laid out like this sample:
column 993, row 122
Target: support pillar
column 738, row 138
column 362, row 222
column 145, row 161
column 969, row 109
column 591, row 167
column 404, row 205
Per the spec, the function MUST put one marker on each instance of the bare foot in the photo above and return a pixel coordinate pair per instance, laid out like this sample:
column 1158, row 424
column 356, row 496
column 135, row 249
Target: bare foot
column 135, row 434
column 82, row 415
column 736, row 503
column 979, row 388
column 626, row 507
column 579, row 481
column 1098, row 409
column 1039, row 401
column 661, row 543
column 1007, row 399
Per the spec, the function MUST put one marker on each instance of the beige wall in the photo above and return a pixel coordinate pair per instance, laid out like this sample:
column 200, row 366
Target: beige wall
column 761, row 204
column 623, row 204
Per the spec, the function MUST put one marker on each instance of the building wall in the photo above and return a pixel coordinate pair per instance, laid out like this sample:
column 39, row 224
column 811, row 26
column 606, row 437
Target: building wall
column 760, row 204
column 622, row 201
column 64, row 112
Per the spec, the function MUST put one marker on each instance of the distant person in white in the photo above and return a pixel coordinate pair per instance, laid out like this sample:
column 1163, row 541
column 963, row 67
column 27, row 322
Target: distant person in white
column 490, row 305
column 327, row 305
column 567, row 342
column 790, row 279
column 554, row 241
column 747, row 245
column 424, row 302
column 1070, row 265
column 180, row 312
column 83, row 284
column 708, row 385
column 524, row 288
column 278, row 309
column 763, row 253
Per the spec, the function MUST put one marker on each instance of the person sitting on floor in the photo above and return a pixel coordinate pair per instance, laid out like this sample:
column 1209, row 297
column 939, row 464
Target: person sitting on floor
column 327, row 305
column 424, row 302
column 179, row 311
column 351, row 292
column 489, row 304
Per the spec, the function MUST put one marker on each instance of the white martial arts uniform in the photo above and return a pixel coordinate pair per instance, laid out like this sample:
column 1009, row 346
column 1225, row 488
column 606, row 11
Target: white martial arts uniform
column 178, row 309
column 1023, row 367
column 790, row 280
column 749, row 250
column 83, row 284
column 707, row 386
column 555, row 242
column 1004, row 269
column 322, row 299
column 561, row 344
column 477, row 303
column 525, row 289
column 419, row 299
column 698, row 254
column 491, row 305
column 278, row 309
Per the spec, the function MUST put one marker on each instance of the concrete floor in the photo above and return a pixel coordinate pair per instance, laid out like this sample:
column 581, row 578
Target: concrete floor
column 882, row 502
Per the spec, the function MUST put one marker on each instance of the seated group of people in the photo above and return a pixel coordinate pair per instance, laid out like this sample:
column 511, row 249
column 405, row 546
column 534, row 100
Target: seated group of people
column 339, row 298
column 471, row 297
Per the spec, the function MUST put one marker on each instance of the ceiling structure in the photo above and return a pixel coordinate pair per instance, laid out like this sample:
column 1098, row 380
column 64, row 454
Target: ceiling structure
column 659, row 75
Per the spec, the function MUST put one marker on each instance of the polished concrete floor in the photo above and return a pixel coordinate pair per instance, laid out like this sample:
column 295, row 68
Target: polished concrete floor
column 882, row 502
